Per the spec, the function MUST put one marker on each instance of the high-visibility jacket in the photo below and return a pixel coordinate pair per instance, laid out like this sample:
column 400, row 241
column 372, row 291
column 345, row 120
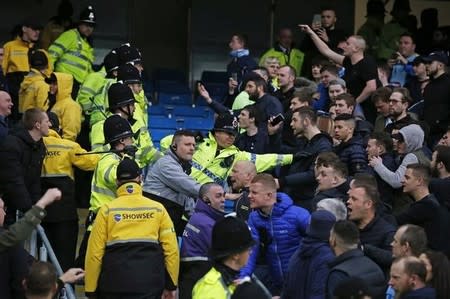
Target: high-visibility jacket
column 135, row 231
column 15, row 57
column 212, row 286
column 294, row 59
column 33, row 92
column 146, row 153
column 103, row 185
column 141, row 106
column 100, row 105
column 207, row 166
column 72, row 54
column 91, row 86
column 67, row 110
column 61, row 156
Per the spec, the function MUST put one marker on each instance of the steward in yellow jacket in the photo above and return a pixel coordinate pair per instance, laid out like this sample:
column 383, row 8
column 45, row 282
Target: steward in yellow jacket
column 34, row 90
column 92, row 95
column 72, row 52
column 62, row 104
column 215, row 156
column 230, row 248
column 61, row 222
column 133, row 246
column 122, row 102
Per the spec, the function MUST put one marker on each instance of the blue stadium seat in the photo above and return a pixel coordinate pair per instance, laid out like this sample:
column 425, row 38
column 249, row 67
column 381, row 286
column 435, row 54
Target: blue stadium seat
column 171, row 86
column 165, row 122
column 158, row 134
column 198, row 123
column 189, row 111
column 174, row 98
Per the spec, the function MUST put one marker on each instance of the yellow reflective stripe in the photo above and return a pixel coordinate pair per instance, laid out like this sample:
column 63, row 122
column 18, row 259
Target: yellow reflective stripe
column 58, row 146
column 54, row 175
column 135, row 209
column 196, row 230
column 110, row 243
column 79, row 55
column 88, row 89
column 58, row 45
column 167, row 231
column 107, row 172
column 194, row 258
column 279, row 161
column 104, row 191
column 72, row 63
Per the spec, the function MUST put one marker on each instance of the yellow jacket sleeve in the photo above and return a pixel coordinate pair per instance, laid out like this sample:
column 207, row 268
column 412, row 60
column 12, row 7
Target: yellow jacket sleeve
column 96, row 250
column 6, row 50
column 84, row 162
column 266, row 161
column 168, row 241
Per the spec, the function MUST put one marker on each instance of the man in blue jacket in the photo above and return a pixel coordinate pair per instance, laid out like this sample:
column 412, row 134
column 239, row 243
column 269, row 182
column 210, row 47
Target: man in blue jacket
column 278, row 227
column 311, row 259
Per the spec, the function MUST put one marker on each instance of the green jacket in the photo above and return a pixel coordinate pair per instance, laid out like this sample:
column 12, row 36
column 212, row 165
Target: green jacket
column 22, row 229
column 72, row 54
column 92, row 86
column 294, row 59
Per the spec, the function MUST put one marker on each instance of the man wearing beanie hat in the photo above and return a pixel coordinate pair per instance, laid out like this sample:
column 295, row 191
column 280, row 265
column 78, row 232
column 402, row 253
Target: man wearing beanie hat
column 72, row 51
column 216, row 154
column 33, row 91
column 312, row 258
column 135, row 231
column 230, row 249
column 61, row 223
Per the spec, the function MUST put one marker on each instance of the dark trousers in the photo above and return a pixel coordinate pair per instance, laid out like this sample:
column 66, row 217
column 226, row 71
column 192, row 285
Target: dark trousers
column 190, row 273
column 14, row 80
column 174, row 210
column 63, row 238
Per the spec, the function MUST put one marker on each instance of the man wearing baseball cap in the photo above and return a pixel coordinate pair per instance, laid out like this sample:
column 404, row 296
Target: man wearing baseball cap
column 436, row 110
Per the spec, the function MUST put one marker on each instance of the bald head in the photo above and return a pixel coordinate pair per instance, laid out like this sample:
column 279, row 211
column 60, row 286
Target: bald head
column 242, row 174
column 5, row 103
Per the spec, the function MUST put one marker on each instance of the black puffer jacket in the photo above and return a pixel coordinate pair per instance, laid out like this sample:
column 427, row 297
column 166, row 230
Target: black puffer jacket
column 20, row 171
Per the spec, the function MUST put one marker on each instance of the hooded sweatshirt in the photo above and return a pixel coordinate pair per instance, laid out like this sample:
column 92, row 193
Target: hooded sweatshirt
column 413, row 136
column 68, row 111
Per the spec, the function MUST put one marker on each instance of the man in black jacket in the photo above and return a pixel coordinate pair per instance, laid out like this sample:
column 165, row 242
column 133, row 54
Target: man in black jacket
column 22, row 154
column 332, row 178
column 350, row 261
column 376, row 234
column 440, row 169
column 299, row 182
column 426, row 210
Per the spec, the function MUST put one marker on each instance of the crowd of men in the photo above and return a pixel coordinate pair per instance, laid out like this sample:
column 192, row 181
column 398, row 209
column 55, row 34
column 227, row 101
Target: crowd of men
column 326, row 174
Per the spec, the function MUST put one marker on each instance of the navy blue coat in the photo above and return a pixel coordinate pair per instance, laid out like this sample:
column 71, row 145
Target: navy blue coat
column 281, row 233
column 353, row 153
column 308, row 270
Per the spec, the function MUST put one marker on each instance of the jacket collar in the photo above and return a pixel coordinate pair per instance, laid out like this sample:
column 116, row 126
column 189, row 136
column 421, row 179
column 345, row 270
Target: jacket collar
column 202, row 207
column 353, row 253
column 129, row 189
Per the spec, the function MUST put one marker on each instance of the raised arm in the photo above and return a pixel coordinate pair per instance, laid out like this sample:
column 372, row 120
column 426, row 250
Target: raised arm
column 321, row 45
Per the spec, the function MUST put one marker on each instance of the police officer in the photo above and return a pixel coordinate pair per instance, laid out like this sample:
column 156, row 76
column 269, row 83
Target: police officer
column 72, row 51
column 61, row 223
column 231, row 246
column 135, row 231
column 130, row 76
column 119, row 136
column 121, row 102
column 216, row 155
column 92, row 95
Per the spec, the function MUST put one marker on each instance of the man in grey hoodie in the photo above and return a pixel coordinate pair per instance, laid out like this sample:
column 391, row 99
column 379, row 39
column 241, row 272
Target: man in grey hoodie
column 168, row 180
column 408, row 143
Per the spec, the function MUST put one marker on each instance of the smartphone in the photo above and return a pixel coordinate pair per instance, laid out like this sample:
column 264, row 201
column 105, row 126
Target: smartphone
column 394, row 56
column 277, row 119
column 317, row 20
column 234, row 76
